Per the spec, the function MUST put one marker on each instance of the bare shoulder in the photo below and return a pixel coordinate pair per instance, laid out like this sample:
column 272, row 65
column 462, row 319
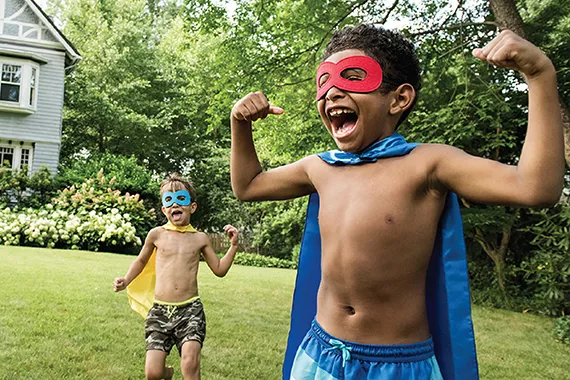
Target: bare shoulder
column 310, row 162
column 202, row 238
column 154, row 234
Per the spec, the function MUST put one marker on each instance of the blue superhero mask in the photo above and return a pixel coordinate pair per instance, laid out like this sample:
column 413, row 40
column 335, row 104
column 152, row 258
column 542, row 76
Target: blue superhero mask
column 181, row 198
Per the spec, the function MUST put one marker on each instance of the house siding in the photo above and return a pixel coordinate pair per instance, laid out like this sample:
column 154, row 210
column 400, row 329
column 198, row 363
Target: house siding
column 46, row 154
column 28, row 36
column 44, row 125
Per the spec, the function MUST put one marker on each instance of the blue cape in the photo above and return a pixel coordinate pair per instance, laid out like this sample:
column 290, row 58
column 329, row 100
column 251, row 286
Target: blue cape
column 447, row 291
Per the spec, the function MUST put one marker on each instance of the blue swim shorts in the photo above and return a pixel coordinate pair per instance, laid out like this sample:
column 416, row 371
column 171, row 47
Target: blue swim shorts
column 324, row 357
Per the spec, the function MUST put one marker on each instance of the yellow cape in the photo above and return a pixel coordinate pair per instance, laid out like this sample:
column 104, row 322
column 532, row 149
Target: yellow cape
column 141, row 290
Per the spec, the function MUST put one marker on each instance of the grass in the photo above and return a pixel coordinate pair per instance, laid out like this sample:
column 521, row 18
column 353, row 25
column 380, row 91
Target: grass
column 59, row 319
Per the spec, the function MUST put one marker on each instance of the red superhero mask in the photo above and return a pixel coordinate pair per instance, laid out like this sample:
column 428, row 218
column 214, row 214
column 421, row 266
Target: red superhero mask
column 371, row 82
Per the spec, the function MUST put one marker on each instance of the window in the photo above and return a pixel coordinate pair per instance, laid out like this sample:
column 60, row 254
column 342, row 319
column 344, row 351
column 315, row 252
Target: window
column 24, row 158
column 18, row 84
column 6, row 157
column 16, row 156
column 32, row 87
column 10, row 83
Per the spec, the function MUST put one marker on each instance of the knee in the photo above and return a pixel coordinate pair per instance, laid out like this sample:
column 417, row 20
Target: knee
column 153, row 373
column 190, row 363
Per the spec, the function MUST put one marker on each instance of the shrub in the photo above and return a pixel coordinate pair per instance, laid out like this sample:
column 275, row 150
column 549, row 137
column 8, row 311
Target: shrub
column 59, row 229
column 280, row 227
column 41, row 185
column 93, row 216
column 548, row 270
column 562, row 329
column 255, row 260
column 100, row 196
column 13, row 183
column 130, row 176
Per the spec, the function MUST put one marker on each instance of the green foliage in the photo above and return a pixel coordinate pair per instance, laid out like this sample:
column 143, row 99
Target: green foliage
column 13, row 183
column 280, row 227
column 16, row 186
column 130, row 176
column 562, row 329
column 99, row 196
column 92, row 216
column 548, row 270
column 256, row 260
column 42, row 185
column 57, row 228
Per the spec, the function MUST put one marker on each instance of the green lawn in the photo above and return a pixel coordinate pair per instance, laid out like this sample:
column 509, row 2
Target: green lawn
column 59, row 319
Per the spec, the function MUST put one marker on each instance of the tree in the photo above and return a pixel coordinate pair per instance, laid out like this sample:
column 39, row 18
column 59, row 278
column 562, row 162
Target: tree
column 508, row 17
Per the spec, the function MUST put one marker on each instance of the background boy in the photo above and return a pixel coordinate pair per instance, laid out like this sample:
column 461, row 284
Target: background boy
column 177, row 316
column 378, row 221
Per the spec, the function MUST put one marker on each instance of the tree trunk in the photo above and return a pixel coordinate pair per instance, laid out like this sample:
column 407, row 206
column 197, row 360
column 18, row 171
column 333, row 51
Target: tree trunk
column 497, row 253
column 507, row 16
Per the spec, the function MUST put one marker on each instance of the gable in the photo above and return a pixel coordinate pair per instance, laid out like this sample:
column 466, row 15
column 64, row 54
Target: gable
column 24, row 21
column 20, row 21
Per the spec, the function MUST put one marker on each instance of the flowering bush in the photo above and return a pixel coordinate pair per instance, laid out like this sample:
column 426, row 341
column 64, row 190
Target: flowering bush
column 93, row 216
column 59, row 229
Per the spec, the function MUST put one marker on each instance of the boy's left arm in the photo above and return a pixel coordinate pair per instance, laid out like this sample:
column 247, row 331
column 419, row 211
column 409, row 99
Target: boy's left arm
column 538, row 178
column 220, row 267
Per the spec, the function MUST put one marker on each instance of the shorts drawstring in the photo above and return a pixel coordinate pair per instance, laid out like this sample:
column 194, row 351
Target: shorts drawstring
column 171, row 309
column 343, row 348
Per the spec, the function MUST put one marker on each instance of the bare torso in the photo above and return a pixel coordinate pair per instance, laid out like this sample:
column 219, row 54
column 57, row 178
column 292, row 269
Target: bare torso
column 177, row 260
column 378, row 224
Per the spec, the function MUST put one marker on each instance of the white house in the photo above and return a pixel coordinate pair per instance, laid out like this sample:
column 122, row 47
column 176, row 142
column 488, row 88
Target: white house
column 34, row 57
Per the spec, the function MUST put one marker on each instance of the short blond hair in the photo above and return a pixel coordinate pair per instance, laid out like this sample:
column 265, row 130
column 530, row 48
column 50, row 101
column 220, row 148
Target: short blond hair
column 176, row 182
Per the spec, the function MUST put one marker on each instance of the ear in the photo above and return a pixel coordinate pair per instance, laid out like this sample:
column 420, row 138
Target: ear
column 163, row 210
column 404, row 96
column 193, row 207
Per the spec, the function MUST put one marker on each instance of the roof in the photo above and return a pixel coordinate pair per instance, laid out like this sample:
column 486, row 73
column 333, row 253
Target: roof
column 71, row 52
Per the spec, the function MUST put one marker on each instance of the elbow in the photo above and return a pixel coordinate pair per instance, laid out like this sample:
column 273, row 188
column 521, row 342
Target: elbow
column 242, row 194
column 545, row 198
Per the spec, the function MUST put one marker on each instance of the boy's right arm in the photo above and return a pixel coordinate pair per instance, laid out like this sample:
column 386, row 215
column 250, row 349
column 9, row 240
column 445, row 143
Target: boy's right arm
column 138, row 265
column 249, row 181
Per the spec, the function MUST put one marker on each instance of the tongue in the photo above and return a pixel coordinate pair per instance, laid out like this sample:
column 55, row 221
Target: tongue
column 347, row 127
column 176, row 217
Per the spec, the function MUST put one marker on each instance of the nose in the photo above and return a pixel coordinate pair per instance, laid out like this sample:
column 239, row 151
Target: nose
column 334, row 93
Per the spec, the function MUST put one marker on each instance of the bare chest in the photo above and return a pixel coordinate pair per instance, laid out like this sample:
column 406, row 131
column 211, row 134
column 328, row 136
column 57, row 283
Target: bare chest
column 176, row 247
column 382, row 195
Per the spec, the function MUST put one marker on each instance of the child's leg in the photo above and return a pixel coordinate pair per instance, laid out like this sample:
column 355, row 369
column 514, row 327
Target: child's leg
column 155, row 368
column 190, row 360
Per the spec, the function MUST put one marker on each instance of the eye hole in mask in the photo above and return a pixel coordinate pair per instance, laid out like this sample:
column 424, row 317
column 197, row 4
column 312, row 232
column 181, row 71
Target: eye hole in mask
column 180, row 197
column 358, row 73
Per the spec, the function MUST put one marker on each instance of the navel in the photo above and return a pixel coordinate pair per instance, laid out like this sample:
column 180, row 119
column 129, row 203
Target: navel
column 350, row 310
column 389, row 219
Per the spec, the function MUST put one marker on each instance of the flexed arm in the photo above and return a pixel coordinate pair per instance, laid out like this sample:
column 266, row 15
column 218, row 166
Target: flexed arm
column 249, row 181
column 537, row 180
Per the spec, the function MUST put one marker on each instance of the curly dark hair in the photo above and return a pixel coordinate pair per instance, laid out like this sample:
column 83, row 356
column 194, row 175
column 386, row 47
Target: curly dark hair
column 395, row 54
column 176, row 182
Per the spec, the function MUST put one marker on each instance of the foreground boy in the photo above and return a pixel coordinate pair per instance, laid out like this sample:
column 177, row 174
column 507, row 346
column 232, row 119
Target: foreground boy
column 177, row 316
column 378, row 218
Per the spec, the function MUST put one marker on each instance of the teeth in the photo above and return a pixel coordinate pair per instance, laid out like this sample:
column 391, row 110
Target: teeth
column 339, row 111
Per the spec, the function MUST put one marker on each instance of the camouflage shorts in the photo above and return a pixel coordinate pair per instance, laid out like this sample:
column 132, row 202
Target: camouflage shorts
column 168, row 325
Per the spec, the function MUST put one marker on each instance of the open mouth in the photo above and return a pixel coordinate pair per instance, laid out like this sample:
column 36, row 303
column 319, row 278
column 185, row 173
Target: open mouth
column 176, row 215
column 343, row 121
